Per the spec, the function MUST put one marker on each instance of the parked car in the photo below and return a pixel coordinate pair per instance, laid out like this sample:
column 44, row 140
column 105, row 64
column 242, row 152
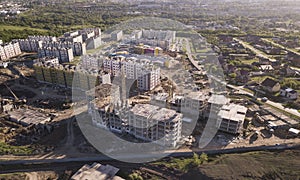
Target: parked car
column 264, row 99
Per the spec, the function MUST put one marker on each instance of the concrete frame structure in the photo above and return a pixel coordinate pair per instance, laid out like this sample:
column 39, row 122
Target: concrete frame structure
column 151, row 123
column 231, row 118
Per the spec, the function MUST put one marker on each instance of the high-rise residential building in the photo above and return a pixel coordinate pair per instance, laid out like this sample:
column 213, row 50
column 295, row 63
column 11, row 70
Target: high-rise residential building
column 33, row 43
column 9, row 50
column 78, row 48
column 142, row 70
column 64, row 55
column 48, row 70
column 92, row 61
column 162, row 39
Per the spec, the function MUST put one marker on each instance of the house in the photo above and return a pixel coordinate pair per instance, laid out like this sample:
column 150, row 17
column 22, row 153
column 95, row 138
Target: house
column 266, row 68
column 289, row 93
column 270, row 85
column 243, row 76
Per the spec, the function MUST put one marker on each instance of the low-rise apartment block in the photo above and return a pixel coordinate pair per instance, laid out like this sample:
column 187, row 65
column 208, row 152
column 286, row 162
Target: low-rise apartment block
column 151, row 123
column 231, row 118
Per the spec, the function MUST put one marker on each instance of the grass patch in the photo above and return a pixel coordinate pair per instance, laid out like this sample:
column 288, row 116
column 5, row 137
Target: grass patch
column 249, row 62
column 20, row 28
column 184, row 164
column 14, row 150
column 260, row 79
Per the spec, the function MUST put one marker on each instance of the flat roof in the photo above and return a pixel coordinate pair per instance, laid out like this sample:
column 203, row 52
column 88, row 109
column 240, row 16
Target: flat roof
column 28, row 116
column 96, row 171
column 144, row 110
column 218, row 99
column 165, row 115
column 233, row 112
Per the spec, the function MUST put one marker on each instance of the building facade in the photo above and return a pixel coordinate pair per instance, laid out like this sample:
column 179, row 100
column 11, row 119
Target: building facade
column 231, row 118
column 142, row 70
column 9, row 50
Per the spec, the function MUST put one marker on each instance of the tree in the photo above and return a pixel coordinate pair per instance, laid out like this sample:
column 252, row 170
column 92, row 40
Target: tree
column 203, row 158
column 135, row 176
column 232, row 75
column 196, row 161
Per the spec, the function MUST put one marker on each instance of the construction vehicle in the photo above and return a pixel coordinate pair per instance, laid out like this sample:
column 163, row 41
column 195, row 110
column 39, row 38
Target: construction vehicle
column 16, row 99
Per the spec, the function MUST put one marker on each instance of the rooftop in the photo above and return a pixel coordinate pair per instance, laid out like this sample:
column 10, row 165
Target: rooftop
column 218, row 99
column 268, row 82
column 96, row 171
column 165, row 115
column 28, row 116
column 144, row 110
column 233, row 112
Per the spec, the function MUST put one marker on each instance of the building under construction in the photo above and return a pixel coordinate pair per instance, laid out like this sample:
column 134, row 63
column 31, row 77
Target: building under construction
column 69, row 76
column 111, row 110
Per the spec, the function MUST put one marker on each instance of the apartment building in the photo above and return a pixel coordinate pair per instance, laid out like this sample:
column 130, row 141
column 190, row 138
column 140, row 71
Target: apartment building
column 162, row 39
column 231, row 118
column 64, row 55
column 142, row 70
column 117, row 35
column 68, row 76
column 90, row 36
column 78, row 48
column 159, row 125
column 33, row 43
column 194, row 103
column 92, row 62
column 9, row 50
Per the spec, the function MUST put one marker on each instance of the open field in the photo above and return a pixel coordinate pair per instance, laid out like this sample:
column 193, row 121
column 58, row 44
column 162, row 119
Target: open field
column 20, row 28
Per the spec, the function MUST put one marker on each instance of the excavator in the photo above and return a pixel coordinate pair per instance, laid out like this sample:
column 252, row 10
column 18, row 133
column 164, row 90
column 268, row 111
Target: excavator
column 16, row 99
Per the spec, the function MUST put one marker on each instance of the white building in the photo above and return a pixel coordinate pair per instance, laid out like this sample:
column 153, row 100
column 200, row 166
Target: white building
column 92, row 62
column 9, row 50
column 117, row 35
column 3, row 64
column 231, row 118
column 33, row 43
column 78, row 48
column 63, row 54
column 159, row 125
column 289, row 93
column 142, row 70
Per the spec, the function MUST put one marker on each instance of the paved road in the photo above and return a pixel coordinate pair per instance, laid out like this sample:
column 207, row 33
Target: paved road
column 254, row 50
column 153, row 155
column 281, row 46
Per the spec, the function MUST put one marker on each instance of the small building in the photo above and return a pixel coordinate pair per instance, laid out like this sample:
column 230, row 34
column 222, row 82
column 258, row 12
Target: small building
column 289, row 93
column 96, row 171
column 3, row 64
column 231, row 118
column 270, row 85
column 117, row 35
